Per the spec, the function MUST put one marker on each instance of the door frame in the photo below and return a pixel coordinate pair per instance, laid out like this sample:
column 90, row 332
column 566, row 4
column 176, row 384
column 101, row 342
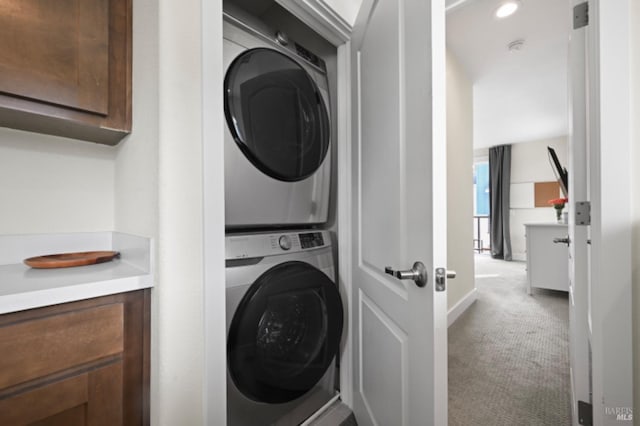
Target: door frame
column 580, row 370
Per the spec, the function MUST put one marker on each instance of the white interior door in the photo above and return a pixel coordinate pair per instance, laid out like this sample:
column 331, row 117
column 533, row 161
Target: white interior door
column 399, row 337
column 579, row 331
column 610, row 147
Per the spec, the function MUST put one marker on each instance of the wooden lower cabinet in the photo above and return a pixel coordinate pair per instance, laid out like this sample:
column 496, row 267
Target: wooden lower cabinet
column 80, row 363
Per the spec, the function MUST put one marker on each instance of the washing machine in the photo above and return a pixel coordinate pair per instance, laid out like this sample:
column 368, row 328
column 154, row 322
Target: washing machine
column 278, row 134
column 284, row 324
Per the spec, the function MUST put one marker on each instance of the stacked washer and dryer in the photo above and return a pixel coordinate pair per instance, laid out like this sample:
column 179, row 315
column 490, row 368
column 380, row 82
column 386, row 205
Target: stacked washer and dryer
column 284, row 312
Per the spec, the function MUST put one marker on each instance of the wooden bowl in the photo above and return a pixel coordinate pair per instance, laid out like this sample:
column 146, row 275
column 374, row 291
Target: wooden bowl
column 67, row 260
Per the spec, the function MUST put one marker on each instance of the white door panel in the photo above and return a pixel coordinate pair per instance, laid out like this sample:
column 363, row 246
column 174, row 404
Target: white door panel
column 398, row 175
column 383, row 390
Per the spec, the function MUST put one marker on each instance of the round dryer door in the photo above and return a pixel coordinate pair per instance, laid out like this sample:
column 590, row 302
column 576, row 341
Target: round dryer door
column 285, row 333
column 276, row 114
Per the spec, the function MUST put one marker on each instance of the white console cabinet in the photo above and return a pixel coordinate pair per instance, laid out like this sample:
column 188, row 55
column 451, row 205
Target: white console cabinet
column 547, row 262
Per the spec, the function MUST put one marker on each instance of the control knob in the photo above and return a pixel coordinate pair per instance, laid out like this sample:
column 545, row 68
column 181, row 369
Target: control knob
column 285, row 242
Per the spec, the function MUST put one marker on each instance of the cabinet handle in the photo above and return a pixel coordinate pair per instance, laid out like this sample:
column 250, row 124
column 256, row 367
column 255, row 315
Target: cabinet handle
column 564, row 240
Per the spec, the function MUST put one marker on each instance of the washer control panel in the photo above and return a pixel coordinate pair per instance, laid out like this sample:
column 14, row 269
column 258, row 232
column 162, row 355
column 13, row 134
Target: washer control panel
column 311, row 240
column 260, row 245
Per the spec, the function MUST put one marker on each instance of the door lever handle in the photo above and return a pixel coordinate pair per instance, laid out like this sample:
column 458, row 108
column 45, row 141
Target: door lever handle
column 418, row 274
column 564, row 240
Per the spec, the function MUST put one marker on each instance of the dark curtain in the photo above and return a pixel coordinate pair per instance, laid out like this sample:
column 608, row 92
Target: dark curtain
column 499, row 187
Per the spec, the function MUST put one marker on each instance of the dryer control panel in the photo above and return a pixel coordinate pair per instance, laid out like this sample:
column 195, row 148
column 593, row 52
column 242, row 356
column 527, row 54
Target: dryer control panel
column 244, row 246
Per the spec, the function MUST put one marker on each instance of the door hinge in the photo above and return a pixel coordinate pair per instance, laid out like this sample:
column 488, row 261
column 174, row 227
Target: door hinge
column 581, row 15
column 583, row 212
column 585, row 413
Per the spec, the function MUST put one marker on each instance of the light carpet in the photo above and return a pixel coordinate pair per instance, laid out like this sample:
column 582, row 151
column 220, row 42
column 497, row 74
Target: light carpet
column 508, row 353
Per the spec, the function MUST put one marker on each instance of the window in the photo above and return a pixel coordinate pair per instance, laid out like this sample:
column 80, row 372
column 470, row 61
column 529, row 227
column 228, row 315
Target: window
column 481, row 189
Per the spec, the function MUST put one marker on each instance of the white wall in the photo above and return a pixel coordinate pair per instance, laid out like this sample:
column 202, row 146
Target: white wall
column 348, row 9
column 159, row 193
column 51, row 184
column 459, row 181
column 530, row 163
column 179, row 352
column 137, row 175
column 136, row 167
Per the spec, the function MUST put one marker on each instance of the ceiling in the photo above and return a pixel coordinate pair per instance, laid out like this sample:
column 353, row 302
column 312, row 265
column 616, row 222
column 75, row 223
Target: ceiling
column 518, row 96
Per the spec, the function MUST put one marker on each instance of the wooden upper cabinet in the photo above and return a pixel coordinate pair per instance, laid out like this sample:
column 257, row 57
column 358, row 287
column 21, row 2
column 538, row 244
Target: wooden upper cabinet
column 65, row 68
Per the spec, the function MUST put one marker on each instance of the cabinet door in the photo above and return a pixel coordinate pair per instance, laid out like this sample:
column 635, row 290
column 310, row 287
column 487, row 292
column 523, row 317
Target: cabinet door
column 65, row 68
column 54, row 343
column 93, row 398
column 57, row 52
column 84, row 362
column 547, row 262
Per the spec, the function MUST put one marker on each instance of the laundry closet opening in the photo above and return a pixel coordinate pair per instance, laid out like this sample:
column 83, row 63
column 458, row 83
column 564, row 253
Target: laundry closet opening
column 286, row 306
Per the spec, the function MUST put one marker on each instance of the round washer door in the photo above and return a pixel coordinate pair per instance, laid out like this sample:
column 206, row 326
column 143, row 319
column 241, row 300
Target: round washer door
column 285, row 333
column 276, row 114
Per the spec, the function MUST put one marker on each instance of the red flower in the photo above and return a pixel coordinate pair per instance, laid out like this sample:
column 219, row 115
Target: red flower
column 558, row 203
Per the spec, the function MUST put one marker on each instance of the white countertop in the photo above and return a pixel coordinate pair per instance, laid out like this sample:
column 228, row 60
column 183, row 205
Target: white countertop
column 22, row 287
column 546, row 224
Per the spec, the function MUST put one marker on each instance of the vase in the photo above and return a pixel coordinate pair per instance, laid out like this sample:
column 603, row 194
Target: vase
column 559, row 216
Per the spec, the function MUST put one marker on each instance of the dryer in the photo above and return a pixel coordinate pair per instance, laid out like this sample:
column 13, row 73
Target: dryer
column 284, row 324
column 278, row 133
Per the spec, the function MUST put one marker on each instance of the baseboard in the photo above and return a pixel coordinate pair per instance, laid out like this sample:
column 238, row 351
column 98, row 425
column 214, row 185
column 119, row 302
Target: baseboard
column 462, row 305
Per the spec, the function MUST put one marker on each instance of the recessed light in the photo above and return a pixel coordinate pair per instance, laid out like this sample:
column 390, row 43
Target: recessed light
column 507, row 8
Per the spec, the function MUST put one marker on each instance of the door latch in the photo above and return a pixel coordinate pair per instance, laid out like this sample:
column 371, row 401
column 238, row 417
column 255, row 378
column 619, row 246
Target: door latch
column 441, row 278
